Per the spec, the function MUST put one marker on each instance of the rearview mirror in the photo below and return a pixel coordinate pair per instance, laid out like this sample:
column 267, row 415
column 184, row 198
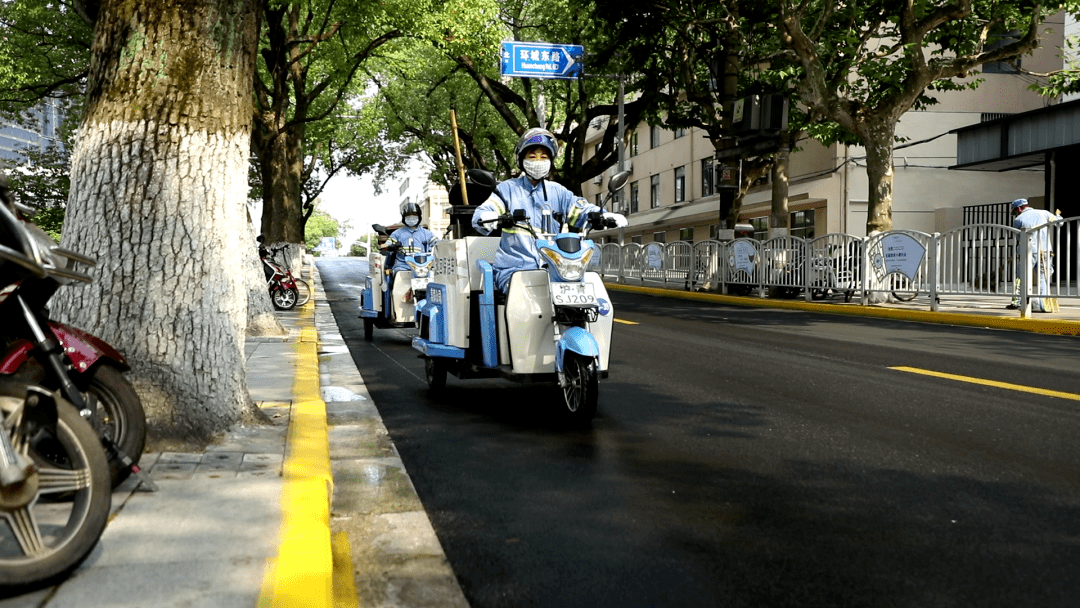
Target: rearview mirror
column 618, row 181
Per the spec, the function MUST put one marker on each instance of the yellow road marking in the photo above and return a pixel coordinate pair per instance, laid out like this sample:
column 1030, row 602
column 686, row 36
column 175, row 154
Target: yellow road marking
column 625, row 322
column 994, row 383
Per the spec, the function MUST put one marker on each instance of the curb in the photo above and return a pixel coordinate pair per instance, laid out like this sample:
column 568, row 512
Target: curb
column 302, row 574
column 1058, row 327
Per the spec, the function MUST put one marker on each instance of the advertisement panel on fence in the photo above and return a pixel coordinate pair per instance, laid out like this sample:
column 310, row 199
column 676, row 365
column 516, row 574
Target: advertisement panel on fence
column 902, row 253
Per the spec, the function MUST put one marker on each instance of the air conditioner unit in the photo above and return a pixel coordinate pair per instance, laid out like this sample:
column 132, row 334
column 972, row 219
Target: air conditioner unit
column 599, row 179
column 628, row 166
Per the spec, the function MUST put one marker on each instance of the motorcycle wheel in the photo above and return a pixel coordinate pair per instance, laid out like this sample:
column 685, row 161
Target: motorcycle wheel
column 122, row 417
column 435, row 373
column 284, row 299
column 582, row 388
column 119, row 413
column 63, row 528
column 303, row 292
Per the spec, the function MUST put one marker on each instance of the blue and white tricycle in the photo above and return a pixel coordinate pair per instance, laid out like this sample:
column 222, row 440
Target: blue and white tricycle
column 552, row 325
column 392, row 305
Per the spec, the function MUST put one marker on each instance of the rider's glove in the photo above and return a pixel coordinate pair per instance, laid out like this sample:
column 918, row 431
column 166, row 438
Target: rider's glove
column 485, row 222
column 615, row 220
column 599, row 221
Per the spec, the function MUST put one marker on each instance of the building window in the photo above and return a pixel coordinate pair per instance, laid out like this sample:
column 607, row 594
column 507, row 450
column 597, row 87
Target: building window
column 802, row 224
column 761, row 227
column 616, row 202
column 680, row 132
column 714, row 231
column 996, row 41
column 707, row 188
column 633, row 143
column 634, row 194
column 686, row 234
column 659, row 237
column 636, row 239
column 599, row 198
column 654, row 136
column 680, row 184
column 655, row 191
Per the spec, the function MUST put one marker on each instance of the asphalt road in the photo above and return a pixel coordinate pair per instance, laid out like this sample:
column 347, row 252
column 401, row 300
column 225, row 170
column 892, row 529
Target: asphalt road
column 747, row 457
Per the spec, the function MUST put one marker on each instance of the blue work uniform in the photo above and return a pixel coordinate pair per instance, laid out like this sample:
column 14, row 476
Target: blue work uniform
column 412, row 240
column 517, row 247
column 1039, row 240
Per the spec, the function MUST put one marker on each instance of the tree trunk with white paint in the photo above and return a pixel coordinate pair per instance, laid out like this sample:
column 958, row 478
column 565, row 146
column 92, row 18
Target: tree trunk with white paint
column 158, row 194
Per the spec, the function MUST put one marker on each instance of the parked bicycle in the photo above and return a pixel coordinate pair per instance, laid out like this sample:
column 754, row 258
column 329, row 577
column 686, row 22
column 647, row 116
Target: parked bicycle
column 835, row 273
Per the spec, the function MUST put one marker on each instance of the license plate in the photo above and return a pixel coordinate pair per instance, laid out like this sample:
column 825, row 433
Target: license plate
column 573, row 294
column 421, row 283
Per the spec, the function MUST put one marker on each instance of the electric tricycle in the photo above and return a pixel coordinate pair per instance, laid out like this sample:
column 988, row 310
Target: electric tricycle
column 385, row 304
column 553, row 324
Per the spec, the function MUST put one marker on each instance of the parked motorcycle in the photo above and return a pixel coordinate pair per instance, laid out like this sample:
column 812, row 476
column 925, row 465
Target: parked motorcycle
column 553, row 324
column 286, row 291
column 385, row 304
column 55, row 492
column 86, row 370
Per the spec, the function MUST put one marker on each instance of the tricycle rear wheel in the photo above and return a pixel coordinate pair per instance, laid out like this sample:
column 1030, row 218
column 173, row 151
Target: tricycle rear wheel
column 435, row 372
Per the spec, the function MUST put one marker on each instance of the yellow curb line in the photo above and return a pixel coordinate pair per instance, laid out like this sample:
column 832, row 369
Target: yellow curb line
column 1048, row 326
column 302, row 572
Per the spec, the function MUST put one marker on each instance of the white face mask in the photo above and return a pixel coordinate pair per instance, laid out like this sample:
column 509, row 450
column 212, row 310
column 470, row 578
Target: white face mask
column 412, row 221
column 536, row 169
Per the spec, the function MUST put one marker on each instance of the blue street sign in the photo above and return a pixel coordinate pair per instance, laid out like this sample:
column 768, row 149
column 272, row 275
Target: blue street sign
column 542, row 60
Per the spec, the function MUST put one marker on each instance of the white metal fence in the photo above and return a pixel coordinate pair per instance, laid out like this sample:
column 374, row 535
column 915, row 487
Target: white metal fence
column 973, row 261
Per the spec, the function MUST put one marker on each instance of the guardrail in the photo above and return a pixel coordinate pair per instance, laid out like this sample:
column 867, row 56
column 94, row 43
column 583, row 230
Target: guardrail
column 978, row 260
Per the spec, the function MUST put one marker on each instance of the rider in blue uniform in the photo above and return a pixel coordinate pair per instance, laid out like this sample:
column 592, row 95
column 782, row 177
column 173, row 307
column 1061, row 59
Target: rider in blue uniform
column 542, row 201
column 411, row 238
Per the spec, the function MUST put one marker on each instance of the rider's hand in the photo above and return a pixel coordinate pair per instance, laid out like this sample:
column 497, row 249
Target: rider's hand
column 485, row 221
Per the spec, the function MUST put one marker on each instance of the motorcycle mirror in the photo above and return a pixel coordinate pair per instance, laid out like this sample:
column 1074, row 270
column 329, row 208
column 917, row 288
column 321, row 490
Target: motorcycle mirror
column 380, row 229
column 618, row 181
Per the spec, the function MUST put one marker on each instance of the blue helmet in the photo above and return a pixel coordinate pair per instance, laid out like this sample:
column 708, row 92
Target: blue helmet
column 536, row 137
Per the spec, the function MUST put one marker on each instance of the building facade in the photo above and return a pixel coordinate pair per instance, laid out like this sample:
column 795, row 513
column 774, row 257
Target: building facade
column 672, row 194
column 40, row 131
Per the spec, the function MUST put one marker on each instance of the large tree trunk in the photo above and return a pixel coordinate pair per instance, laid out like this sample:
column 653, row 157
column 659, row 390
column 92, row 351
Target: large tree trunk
column 878, row 139
column 780, row 217
column 281, row 167
column 158, row 191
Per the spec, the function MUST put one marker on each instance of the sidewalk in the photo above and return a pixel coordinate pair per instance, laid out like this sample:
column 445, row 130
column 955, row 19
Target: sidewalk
column 249, row 522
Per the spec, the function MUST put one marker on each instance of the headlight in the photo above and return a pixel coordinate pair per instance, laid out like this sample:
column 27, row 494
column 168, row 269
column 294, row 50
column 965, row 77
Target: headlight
column 567, row 268
column 419, row 270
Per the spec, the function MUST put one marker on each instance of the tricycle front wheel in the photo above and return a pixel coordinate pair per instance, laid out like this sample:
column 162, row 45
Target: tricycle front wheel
column 582, row 388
